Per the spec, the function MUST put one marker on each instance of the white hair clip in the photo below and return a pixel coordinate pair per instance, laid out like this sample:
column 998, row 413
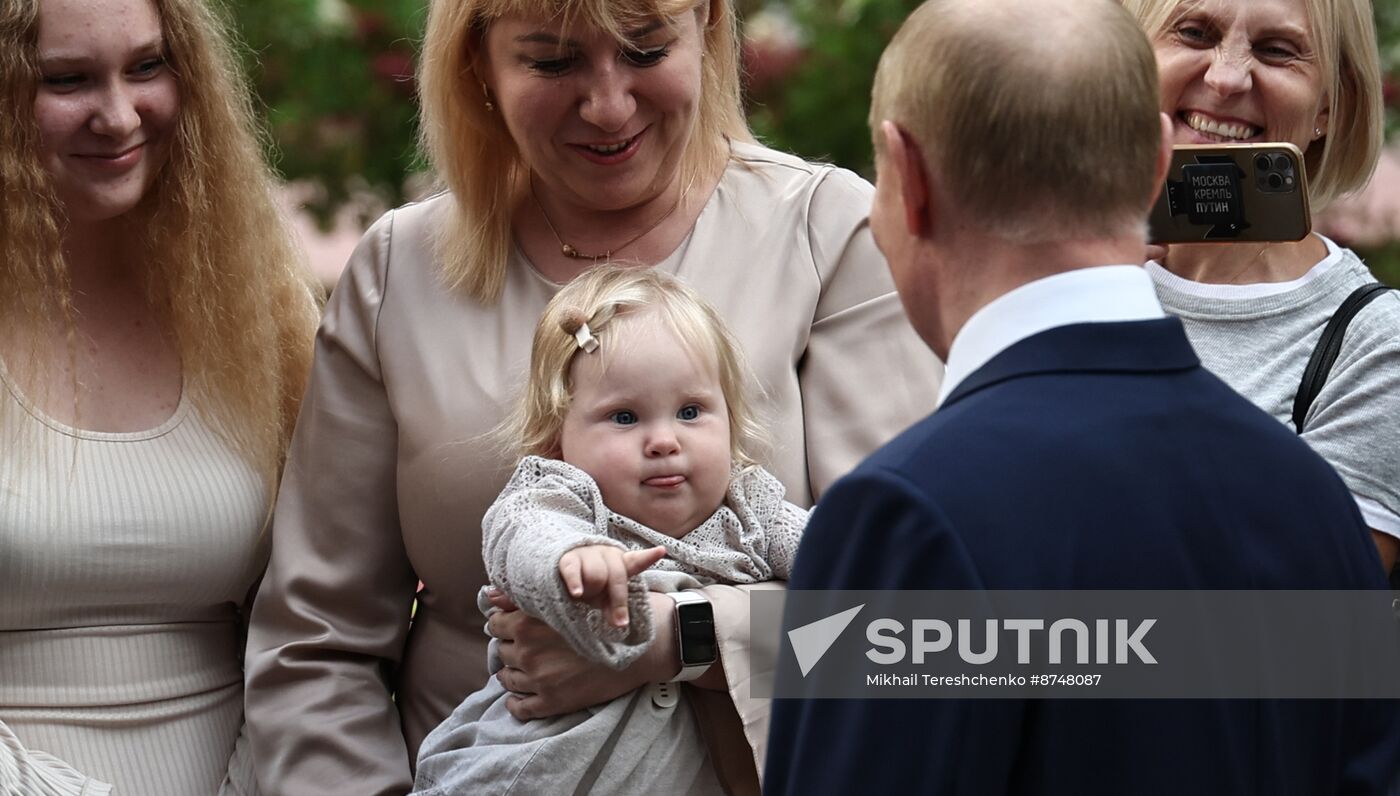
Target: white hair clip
column 585, row 339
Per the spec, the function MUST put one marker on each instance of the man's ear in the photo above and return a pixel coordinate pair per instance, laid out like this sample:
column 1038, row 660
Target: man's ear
column 906, row 162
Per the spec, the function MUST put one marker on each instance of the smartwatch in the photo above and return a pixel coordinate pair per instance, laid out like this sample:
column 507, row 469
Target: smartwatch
column 695, row 634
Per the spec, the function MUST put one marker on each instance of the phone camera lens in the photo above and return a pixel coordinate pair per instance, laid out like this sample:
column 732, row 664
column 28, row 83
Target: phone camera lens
column 1282, row 163
column 1262, row 163
column 1275, row 181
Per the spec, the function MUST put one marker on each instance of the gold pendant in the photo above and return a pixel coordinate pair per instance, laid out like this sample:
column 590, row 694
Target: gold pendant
column 569, row 251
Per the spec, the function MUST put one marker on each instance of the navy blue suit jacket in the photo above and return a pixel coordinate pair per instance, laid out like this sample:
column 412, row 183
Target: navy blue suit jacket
column 1091, row 456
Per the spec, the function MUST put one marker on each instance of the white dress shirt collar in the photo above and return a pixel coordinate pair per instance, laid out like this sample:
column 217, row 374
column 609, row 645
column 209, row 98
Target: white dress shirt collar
column 1102, row 294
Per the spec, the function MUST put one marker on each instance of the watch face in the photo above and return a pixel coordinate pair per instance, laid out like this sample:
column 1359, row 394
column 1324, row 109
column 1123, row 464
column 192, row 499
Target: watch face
column 696, row 624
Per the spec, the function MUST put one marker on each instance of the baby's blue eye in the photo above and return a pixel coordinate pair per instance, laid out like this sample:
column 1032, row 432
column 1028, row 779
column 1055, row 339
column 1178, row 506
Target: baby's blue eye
column 690, row 412
column 623, row 417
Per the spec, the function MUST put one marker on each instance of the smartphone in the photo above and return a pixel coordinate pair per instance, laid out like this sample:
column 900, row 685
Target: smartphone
column 1233, row 192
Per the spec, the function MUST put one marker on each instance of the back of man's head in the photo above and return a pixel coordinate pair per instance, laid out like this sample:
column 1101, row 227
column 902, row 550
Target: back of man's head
column 1039, row 117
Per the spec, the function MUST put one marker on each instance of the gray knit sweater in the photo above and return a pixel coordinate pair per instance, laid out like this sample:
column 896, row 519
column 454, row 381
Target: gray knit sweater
column 550, row 507
column 1257, row 338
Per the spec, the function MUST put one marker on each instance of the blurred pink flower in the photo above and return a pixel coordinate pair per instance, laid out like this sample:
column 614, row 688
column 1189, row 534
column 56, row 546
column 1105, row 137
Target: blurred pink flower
column 395, row 67
column 771, row 49
column 369, row 23
column 326, row 250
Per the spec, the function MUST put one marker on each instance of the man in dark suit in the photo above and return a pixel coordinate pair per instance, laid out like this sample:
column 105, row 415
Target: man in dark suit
column 1078, row 444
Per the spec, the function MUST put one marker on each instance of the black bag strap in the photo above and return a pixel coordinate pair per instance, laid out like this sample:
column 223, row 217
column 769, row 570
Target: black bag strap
column 1328, row 347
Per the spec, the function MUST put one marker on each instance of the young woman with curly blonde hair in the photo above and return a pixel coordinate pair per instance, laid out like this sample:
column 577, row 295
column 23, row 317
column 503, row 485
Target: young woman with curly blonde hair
column 155, row 333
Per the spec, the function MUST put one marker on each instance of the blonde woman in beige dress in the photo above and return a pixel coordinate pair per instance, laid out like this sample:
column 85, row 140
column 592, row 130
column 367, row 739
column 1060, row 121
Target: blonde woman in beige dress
column 619, row 137
column 155, row 332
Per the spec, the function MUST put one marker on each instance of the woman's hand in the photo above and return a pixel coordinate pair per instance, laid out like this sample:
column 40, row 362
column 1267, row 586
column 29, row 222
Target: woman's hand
column 547, row 678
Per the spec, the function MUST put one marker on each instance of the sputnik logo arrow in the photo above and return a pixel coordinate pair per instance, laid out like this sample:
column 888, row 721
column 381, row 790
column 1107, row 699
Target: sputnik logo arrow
column 811, row 641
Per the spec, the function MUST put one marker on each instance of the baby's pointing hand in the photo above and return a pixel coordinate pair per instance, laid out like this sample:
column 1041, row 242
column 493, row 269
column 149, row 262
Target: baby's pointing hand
column 598, row 574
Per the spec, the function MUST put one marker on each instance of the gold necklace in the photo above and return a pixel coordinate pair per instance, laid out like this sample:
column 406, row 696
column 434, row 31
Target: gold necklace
column 574, row 254
column 1252, row 261
column 1234, row 278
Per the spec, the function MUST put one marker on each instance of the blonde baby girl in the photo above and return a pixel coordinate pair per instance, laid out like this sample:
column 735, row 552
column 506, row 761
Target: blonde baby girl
column 638, row 475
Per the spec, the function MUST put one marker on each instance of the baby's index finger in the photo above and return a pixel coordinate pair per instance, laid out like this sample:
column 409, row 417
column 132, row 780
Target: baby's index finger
column 639, row 561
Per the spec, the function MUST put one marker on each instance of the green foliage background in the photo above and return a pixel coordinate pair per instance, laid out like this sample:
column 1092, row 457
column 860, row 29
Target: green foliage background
column 1388, row 40
column 335, row 77
column 820, row 111
column 1385, row 261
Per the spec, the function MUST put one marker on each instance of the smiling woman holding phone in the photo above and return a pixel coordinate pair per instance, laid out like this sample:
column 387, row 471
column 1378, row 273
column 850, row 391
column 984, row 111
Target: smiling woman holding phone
column 1304, row 72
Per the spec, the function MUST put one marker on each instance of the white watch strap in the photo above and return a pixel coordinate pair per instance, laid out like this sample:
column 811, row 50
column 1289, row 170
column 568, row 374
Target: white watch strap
column 686, row 597
column 691, row 672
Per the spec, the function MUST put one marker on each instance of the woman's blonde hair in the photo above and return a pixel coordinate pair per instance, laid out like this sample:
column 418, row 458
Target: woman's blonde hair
column 473, row 152
column 1344, row 35
column 610, row 299
column 220, row 261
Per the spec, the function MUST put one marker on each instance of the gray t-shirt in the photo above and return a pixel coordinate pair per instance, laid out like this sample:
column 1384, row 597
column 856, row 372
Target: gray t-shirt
column 1258, row 338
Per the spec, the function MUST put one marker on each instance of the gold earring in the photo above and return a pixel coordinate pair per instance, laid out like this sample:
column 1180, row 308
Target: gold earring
column 490, row 106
